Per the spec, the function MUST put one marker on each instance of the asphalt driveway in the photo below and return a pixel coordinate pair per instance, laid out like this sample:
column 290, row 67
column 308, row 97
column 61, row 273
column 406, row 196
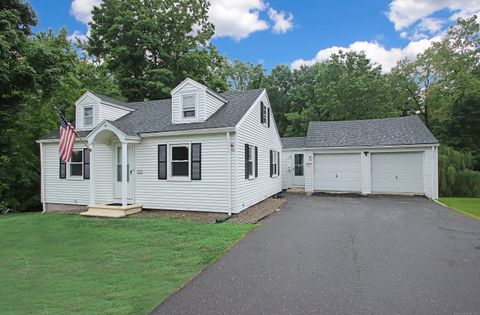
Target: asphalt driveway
column 345, row 255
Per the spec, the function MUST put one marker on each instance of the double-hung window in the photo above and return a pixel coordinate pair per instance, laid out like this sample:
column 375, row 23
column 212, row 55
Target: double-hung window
column 183, row 161
column 251, row 161
column 189, row 106
column 88, row 116
column 78, row 167
column 274, row 163
column 264, row 115
column 180, row 161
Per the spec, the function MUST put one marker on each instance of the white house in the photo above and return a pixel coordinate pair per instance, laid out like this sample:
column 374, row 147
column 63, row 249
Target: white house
column 198, row 151
column 376, row 156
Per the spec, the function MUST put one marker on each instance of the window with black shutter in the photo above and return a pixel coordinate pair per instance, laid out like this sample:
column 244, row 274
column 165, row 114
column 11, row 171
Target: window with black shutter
column 86, row 164
column 62, row 169
column 162, row 161
column 196, row 161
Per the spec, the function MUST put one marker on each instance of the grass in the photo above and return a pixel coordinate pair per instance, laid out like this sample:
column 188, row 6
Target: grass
column 56, row 263
column 468, row 206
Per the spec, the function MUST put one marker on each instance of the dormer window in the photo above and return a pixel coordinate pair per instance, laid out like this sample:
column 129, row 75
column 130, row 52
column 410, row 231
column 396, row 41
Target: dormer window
column 88, row 116
column 189, row 106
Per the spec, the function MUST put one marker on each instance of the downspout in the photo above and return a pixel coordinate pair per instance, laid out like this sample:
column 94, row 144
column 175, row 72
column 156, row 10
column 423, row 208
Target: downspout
column 433, row 173
column 229, row 174
column 229, row 182
column 42, row 180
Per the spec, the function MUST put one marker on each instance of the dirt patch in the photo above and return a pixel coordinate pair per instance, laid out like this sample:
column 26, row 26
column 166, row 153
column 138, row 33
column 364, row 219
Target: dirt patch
column 258, row 212
column 206, row 217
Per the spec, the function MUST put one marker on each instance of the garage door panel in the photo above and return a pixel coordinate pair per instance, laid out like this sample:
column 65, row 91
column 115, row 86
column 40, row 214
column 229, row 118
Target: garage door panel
column 337, row 172
column 397, row 172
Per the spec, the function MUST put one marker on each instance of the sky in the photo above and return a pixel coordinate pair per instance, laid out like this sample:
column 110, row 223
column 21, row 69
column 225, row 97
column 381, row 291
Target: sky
column 301, row 32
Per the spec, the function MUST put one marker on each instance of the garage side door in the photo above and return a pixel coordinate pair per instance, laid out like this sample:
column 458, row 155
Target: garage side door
column 397, row 172
column 337, row 172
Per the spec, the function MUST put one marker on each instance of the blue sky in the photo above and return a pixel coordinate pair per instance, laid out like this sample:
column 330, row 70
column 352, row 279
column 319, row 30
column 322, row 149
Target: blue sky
column 302, row 32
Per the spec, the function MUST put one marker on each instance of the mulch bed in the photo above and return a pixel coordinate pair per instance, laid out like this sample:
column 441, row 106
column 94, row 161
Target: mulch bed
column 206, row 217
column 252, row 215
column 258, row 212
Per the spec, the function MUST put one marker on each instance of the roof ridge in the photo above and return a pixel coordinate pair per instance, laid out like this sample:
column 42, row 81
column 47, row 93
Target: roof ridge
column 363, row 120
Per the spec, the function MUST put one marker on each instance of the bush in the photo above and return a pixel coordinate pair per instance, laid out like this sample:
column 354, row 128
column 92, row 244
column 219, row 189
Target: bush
column 456, row 176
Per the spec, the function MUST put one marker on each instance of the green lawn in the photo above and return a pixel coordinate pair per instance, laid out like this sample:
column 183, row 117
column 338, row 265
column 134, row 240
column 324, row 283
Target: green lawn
column 56, row 263
column 469, row 206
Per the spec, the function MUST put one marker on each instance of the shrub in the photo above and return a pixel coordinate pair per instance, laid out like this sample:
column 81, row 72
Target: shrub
column 456, row 176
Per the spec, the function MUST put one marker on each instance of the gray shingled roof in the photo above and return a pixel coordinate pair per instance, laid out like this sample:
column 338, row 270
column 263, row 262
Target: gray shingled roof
column 112, row 100
column 293, row 142
column 369, row 132
column 156, row 116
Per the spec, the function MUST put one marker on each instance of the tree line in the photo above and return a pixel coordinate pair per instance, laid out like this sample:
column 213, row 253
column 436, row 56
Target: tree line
column 140, row 50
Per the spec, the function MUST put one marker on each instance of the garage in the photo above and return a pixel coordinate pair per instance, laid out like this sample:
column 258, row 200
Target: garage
column 337, row 172
column 372, row 156
column 400, row 172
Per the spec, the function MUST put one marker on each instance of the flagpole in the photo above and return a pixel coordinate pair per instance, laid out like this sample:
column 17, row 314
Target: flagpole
column 74, row 130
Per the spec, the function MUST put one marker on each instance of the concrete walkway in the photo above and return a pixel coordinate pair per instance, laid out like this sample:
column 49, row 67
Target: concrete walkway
column 330, row 255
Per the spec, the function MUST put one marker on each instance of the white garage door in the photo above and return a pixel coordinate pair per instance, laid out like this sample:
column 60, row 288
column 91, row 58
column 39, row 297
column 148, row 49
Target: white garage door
column 337, row 172
column 397, row 172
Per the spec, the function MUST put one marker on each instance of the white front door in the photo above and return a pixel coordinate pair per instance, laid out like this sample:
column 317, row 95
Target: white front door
column 397, row 172
column 298, row 169
column 337, row 172
column 118, row 172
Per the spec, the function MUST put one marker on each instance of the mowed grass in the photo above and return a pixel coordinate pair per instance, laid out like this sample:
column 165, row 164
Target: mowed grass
column 57, row 264
column 469, row 206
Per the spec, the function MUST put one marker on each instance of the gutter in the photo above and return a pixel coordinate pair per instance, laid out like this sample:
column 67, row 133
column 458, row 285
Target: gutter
column 186, row 132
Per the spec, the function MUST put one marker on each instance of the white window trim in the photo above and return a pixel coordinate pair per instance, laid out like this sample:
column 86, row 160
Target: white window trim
column 252, row 157
column 170, row 161
column 75, row 177
column 83, row 116
column 275, row 160
column 194, row 118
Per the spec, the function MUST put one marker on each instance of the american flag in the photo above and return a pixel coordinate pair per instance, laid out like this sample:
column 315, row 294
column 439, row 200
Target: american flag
column 67, row 139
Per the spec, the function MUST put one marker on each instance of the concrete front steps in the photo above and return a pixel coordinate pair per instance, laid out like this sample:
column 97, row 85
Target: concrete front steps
column 111, row 210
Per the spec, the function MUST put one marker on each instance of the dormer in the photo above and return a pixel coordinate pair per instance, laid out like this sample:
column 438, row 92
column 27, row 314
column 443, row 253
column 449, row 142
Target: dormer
column 194, row 102
column 91, row 109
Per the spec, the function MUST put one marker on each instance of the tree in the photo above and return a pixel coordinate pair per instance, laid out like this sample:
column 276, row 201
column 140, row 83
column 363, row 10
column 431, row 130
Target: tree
column 151, row 46
column 346, row 86
column 243, row 76
column 279, row 85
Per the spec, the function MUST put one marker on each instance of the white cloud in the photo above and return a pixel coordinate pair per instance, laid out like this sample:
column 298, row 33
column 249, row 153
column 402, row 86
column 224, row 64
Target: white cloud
column 405, row 14
column 282, row 21
column 232, row 18
column 237, row 19
column 82, row 9
column 376, row 52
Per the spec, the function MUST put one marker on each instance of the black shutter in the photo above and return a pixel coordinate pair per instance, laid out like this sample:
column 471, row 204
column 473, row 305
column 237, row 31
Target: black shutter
column 256, row 161
column 278, row 163
column 86, row 164
column 196, row 161
column 268, row 116
column 271, row 163
column 261, row 113
column 162, row 161
column 62, row 169
column 246, row 161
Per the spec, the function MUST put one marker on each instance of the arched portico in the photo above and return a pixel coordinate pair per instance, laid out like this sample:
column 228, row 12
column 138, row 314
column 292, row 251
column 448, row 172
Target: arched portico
column 105, row 134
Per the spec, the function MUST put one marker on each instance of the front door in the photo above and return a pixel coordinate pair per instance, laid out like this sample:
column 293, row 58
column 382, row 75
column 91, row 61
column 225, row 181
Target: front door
column 298, row 170
column 118, row 172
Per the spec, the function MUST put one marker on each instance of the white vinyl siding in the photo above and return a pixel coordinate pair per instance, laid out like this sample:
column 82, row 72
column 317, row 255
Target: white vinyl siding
column 208, row 194
column 56, row 190
column 177, row 104
column 251, row 131
column 101, row 111
column 212, row 104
